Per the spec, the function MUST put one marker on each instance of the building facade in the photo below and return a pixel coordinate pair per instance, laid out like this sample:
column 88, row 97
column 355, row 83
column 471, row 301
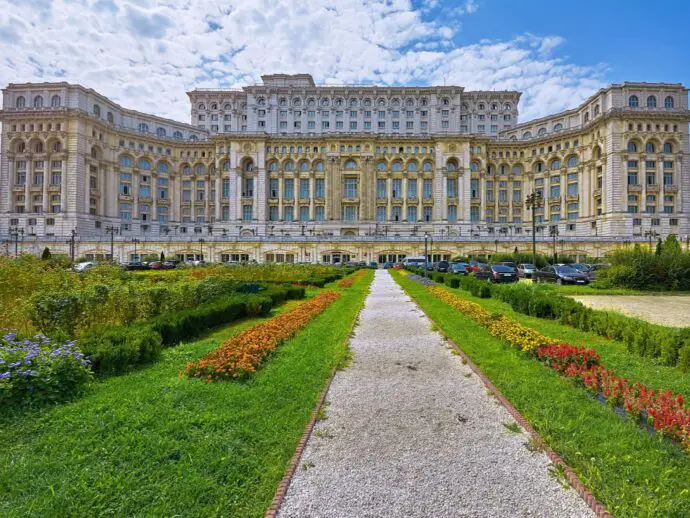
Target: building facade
column 290, row 171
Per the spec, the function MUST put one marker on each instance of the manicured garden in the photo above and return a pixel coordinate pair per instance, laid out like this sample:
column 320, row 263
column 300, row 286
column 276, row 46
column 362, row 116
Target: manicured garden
column 553, row 384
column 156, row 442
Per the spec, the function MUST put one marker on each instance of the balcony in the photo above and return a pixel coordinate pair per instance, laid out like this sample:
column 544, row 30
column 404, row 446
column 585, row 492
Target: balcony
column 670, row 188
column 636, row 187
column 576, row 197
column 653, row 187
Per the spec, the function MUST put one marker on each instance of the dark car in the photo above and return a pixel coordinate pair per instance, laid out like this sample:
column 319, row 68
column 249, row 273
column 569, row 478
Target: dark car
column 387, row 265
column 135, row 265
column 509, row 263
column 362, row 264
column 442, row 266
column 458, row 267
column 169, row 265
column 430, row 266
column 559, row 275
column 374, row 265
column 497, row 273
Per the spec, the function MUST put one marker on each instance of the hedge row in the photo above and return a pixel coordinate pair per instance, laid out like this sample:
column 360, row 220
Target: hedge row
column 666, row 345
column 115, row 349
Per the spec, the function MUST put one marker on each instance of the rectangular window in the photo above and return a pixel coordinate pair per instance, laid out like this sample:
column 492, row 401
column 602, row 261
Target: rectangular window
column 350, row 213
column 427, row 188
column 320, row 188
column 272, row 187
column 572, row 189
column 339, row 125
column 304, row 214
column 325, row 125
column 452, row 187
column 452, row 214
column 412, row 214
column 380, row 214
column 632, row 164
column 409, row 125
column 668, row 178
column 288, row 213
column 380, row 188
column 288, row 189
column 632, row 178
column 304, row 189
column 412, row 188
column 397, row 189
column 396, row 213
column 311, row 125
column 350, row 188
column 273, row 213
column 427, row 213
column 247, row 212
column 650, row 178
column 668, row 164
column 396, row 125
column 320, row 214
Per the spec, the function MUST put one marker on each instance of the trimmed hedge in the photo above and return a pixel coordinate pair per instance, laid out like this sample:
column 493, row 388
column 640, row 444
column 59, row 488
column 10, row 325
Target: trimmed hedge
column 666, row 345
column 114, row 349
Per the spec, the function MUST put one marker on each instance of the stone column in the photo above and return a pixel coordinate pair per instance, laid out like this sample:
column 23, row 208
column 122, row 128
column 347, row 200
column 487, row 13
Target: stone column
column 63, row 185
column 10, row 183
column 27, row 185
column 389, row 199
column 46, row 179
column 312, row 189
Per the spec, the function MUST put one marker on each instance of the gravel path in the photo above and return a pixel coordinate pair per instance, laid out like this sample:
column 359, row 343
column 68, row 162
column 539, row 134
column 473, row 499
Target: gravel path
column 410, row 432
column 667, row 310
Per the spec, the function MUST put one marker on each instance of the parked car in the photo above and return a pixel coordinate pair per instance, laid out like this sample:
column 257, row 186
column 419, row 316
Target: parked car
column 135, row 265
column 559, row 274
column 374, row 265
column 458, row 267
column 169, row 265
column 526, row 270
column 430, row 266
column 475, row 266
column 441, row 266
column 82, row 267
column 362, row 264
column 509, row 263
column 594, row 268
column 397, row 266
column 387, row 265
column 496, row 273
column 155, row 265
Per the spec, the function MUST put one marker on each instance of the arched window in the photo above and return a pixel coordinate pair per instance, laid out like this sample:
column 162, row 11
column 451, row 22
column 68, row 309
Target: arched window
column 555, row 164
column 474, row 167
column 261, row 101
column 597, row 153
column 227, row 107
column 558, row 127
column 193, row 137
column 381, row 166
column 201, row 106
column 668, row 102
column 538, row 167
column 651, row 102
column 162, row 167
column 38, row 148
column 200, row 170
column 248, row 166
column 542, row 131
column 507, row 106
column 297, row 102
column 21, row 147
column 490, row 169
column 160, row 132
column 427, row 167
column 319, row 166
column 125, row 161
column 596, row 110
column 513, row 137
column 96, row 110
column 650, row 148
column 572, row 161
column 178, row 135
column 289, row 165
column 144, row 164
column 586, row 116
column 527, row 134
column 517, row 170
column 226, row 166
column 668, row 147
column 304, row 166
column 57, row 147
column 411, row 167
column 633, row 101
column 186, row 169
column 55, row 101
column 481, row 106
column 21, row 102
column 632, row 147
column 110, row 117
column 38, row 102
column 396, row 102
column 143, row 127
column 494, row 106
column 353, row 102
column 350, row 164
column 396, row 166
column 273, row 166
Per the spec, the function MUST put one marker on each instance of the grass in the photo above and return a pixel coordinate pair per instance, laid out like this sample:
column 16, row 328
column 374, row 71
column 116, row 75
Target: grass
column 613, row 354
column 631, row 472
column 154, row 443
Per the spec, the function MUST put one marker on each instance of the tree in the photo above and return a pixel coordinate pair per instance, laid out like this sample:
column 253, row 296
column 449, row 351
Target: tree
column 659, row 247
column 162, row 256
column 46, row 254
column 515, row 251
column 672, row 245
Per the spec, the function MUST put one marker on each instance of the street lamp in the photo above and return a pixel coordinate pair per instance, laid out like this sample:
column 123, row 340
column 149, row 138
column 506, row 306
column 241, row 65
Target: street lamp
column 201, row 248
column 426, row 253
column 16, row 232
column 112, row 230
column 533, row 201
column 553, row 232
column 135, row 241
column 70, row 241
column 651, row 234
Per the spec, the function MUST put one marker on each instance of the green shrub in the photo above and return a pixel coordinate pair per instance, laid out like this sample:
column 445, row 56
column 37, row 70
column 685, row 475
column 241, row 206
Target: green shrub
column 684, row 358
column 454, row 282
column 56, row 312
column 115, row 349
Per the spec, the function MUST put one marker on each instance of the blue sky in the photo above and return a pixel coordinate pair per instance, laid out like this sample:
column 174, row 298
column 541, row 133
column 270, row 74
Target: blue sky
column 145, row 54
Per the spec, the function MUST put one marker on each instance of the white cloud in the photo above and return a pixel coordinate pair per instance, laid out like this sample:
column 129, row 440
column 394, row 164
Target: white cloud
column 145, row 54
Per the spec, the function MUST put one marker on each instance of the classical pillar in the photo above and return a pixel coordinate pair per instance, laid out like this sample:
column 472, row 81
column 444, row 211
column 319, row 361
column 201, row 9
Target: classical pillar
column 27, row 185
column 219, row 197
column 312, row 208
column 46, row 179
column 63, row 185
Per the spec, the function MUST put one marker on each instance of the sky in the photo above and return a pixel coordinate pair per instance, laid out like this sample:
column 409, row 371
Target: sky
column 145, row 54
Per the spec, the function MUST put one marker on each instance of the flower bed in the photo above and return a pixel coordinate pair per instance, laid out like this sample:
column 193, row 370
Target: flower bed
column 241, row 355
column 663, row 410
column 39, row 370
column 349, row 281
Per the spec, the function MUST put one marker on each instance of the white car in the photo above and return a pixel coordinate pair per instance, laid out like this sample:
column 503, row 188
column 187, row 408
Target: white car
column 82, row 267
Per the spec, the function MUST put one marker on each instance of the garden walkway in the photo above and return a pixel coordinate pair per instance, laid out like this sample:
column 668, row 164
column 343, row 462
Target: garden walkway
column 410, row 432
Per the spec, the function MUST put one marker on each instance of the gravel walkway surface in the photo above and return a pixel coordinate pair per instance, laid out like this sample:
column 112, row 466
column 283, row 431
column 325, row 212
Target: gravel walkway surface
column 411, row 432
column 667, row 310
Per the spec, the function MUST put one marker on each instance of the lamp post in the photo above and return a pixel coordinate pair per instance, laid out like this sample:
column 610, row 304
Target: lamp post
column 112, row 230
column 651, row 234
column 16, row 232
column 553, row 232
column 426, row 253
column 533, row 201
column 201, row 248
column 135, row 241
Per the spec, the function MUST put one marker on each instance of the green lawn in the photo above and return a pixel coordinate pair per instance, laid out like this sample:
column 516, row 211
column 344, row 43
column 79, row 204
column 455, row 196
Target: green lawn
column 152, row 443
column 613, row 354
column 628, row 470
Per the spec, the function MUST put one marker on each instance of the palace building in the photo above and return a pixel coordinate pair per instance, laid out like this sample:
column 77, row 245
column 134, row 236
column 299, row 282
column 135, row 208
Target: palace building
column 290, row 171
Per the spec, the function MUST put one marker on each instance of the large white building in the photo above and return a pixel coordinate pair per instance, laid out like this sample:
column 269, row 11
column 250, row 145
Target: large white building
column 290, row 171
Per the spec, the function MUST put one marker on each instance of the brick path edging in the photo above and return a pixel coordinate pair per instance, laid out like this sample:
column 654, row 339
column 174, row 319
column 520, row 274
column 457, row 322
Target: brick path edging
column 281, row 492
column 572, row 478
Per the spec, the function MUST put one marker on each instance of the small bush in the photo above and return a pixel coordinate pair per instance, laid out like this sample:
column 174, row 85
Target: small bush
column 454, row 282
column 115, row 349
column 684, row 358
